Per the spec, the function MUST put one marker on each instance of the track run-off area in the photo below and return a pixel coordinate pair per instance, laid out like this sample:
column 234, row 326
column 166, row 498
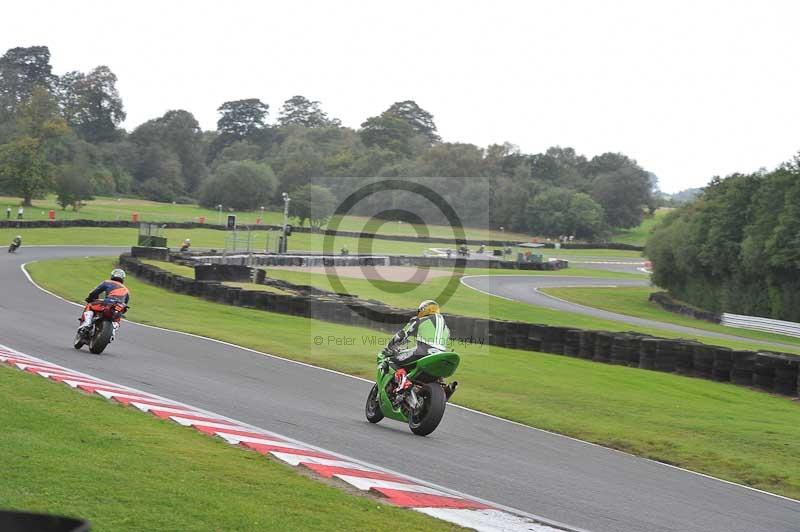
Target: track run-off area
column 542, row 474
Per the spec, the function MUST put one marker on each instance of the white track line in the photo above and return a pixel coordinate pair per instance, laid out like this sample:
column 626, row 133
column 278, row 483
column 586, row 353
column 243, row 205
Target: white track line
column 477, row 412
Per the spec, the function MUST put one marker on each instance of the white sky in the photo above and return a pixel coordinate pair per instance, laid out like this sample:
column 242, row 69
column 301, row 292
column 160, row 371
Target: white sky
column 689, row 89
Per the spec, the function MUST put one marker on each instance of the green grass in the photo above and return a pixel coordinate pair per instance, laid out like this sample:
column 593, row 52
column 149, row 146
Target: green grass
column 633, row 301
column 205, row 239
column 108, row 208
column 728, row 431
column 639, row 235
column 82, row 456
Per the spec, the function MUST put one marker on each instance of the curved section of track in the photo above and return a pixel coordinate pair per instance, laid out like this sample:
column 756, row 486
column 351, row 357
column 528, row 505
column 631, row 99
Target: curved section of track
column 559, row 478
column 527, row 289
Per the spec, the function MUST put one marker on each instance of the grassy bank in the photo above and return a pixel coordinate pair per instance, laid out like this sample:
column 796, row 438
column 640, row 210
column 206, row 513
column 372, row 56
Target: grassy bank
column 638, row 236
column 711, row 427
column 122, row 470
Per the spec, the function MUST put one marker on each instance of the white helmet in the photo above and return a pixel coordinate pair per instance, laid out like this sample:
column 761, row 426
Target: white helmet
column 118, row 273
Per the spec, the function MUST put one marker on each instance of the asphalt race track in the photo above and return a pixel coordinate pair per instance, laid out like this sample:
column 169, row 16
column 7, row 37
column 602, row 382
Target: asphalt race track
column 561, row 479
column 525, row 288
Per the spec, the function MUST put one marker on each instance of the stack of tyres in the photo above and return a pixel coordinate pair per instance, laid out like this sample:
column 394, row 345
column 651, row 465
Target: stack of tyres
column 620, row 349
column 722, row 364
column 586, row 349
column 742, row 367
column 764, row 371
column 647, row 353
column 684, row 355
column 666, row 351
column 602, row 346
column 703, row 361
column 785, row 381
column 572, row 343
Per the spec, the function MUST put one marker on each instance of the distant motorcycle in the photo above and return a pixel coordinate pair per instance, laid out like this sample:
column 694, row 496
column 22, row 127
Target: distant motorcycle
column 15, row 244
column 421, row 405
column 101, row 331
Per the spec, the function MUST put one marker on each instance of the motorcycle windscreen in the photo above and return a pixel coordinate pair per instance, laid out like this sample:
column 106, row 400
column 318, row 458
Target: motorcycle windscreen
column 440, row 364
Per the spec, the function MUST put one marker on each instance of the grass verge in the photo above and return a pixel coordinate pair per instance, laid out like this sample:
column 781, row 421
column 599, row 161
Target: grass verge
column 122, row 470
column 112, row 208
column 728, row 431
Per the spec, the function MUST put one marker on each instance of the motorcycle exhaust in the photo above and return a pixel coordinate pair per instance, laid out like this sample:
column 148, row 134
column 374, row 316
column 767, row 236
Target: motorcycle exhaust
column 450, row 389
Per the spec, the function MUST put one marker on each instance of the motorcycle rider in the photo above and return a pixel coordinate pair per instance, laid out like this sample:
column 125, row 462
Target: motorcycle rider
column 16, row 243
column 431, row 333
column 115, row 291
column 186, row 245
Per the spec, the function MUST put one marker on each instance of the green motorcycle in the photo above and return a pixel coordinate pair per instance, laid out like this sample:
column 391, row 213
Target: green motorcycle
column 422, row 404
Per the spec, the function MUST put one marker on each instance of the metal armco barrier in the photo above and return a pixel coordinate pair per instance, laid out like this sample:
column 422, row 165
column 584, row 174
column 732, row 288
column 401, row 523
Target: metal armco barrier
column 787, row 328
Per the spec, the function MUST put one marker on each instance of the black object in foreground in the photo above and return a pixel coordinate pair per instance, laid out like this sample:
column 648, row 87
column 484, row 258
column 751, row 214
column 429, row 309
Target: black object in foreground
column 29, row 522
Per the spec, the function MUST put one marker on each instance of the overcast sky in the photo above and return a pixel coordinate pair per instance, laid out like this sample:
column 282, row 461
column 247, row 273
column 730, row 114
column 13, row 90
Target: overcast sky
column 689, row 89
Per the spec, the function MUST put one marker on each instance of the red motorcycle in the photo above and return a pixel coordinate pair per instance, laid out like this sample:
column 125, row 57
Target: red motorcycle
column 102, row 330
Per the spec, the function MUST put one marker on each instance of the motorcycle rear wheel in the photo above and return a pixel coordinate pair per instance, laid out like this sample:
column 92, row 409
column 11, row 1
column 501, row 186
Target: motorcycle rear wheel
column 101, row 339
column 424, row 420
column 373, row 409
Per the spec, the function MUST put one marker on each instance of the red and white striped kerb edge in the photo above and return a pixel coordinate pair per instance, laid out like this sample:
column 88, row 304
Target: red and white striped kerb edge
column 398, row 490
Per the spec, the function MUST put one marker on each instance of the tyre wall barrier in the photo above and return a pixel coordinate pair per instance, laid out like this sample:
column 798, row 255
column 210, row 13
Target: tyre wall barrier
column 667, row 302
column 455, row 262
column 316, row 260
column 141, row 252
column 773, row 372
column 223, row 272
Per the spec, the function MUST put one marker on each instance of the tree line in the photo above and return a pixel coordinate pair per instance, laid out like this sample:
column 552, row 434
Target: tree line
column 62, row 134
column 737, row 247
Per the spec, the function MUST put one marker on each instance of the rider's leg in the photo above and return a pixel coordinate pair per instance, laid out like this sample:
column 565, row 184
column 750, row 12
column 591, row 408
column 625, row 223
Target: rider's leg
column 406, row 357
column 86, row 320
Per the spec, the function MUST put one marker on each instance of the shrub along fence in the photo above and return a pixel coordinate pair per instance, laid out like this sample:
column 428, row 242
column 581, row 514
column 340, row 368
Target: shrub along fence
column 771, row 372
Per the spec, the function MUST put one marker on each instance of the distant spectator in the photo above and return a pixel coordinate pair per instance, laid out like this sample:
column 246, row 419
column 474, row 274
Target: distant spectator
column 8, row 213
column 20, row 212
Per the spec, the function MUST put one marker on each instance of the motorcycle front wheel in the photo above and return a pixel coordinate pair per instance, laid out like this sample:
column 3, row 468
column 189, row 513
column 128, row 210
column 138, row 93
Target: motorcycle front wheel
column 373, row 409
column 78, row 343
column 427, row 416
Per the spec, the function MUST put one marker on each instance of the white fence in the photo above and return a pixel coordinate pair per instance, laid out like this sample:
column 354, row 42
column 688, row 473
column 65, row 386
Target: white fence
column 762, row 324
